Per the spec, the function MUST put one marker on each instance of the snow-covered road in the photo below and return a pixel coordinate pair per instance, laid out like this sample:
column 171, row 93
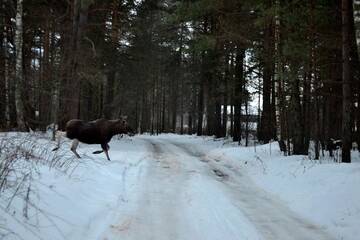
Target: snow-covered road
column 172, row 187
column 175, row 193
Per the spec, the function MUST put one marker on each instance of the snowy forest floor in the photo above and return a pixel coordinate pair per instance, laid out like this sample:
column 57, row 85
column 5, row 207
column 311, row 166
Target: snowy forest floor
column 173, row 187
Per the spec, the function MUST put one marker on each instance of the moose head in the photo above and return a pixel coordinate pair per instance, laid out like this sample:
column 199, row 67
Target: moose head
column 120, row 126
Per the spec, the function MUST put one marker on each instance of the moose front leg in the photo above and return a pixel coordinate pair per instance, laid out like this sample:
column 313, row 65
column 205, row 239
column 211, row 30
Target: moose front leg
column 100, row 151
column 74, row 146
column 106, row 148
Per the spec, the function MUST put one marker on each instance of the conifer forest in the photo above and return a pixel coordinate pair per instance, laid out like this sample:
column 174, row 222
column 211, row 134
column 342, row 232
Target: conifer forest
column 253, row 70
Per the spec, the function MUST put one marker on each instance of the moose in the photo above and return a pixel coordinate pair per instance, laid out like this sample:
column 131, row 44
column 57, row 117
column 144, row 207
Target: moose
column 99, row 131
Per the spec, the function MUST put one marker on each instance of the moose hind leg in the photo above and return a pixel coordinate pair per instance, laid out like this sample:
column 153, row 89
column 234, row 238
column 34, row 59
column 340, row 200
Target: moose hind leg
column 58, row 136
column 105, row 147
column 74, row 146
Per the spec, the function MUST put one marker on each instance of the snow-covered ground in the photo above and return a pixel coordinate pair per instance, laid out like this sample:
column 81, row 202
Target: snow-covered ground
column 183, row 187
column 324, row 192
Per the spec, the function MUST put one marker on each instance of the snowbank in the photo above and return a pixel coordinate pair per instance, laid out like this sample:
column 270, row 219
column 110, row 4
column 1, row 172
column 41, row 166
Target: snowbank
column 72, row 201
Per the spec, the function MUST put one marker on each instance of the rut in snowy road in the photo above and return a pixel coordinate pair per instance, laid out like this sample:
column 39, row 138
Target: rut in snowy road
column 180, row 195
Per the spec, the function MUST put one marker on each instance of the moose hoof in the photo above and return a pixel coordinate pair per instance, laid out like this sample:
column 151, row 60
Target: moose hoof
column 97, row 152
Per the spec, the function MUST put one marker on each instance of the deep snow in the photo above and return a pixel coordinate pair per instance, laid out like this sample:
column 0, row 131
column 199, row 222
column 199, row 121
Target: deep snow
column 187, row 187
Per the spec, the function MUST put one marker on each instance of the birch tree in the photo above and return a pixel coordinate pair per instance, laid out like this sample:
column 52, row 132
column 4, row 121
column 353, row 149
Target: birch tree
column 19, row 67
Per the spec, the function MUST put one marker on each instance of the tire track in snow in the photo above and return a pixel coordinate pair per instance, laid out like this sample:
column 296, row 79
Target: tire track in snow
column 148, row 216
column 273, row 219
column 177, row 200
column 180, row 196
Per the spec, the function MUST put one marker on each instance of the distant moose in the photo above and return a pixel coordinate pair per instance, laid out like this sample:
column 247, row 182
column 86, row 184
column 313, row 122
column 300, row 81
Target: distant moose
column 99, row 131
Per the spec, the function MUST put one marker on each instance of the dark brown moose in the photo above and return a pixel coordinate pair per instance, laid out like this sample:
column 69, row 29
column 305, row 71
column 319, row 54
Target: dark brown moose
column 99, row 131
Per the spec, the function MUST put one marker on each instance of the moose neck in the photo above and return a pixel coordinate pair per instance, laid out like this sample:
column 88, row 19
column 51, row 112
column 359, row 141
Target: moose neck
column 114, row 130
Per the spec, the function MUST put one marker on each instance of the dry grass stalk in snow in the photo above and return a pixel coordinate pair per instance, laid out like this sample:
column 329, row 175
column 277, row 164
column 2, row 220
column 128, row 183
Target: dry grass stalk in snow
column 21, row 156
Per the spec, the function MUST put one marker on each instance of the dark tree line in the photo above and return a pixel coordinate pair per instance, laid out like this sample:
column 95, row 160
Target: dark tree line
column 289, row 68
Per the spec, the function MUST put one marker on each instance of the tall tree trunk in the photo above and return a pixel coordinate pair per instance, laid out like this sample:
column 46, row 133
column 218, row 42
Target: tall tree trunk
column 267, row 125
column 296, row 115
column 140, row 119
column 174, row 105
column 315, row 82
column 152, row 113
column 3, row 50
column 108, row 109
column 55, row 87
column 306, row 116
column 200, row 110
column 317, row 130
column 238, row 94
column 46, row 78
column 210, row 106
column 5, row 68
column 333, row 98
column 231, row 95
column 355, row 68
column 181, row 76
column 247, row 121
column 20, row 118
column 182, row 107
column 218, row 126
column 72, row 77
column 346, row 74
column 109, row 94
column 163, row 108
column 225, row 95
column 191, row 110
